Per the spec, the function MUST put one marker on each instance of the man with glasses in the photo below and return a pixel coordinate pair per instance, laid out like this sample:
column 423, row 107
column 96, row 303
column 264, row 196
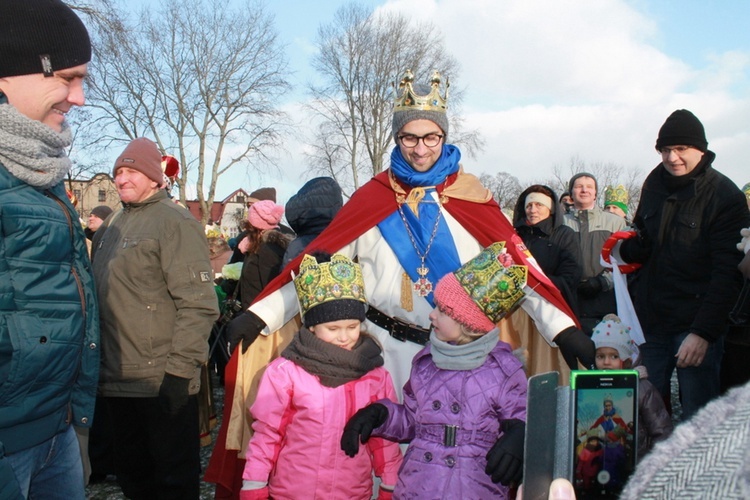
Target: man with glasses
column 687, row 225
column 410, row 225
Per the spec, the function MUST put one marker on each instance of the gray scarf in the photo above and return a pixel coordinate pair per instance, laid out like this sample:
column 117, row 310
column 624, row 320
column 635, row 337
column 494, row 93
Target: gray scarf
column 462, row 357
column 31, row 151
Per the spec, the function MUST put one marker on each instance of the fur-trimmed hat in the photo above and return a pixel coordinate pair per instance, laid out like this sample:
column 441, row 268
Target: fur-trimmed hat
column 682, row 128
column 40, row 36
column 611, row 332
column 144, row 156
column 265, row 214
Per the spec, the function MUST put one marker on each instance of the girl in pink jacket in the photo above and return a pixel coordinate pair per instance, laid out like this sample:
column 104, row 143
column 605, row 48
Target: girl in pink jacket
column 329, row 371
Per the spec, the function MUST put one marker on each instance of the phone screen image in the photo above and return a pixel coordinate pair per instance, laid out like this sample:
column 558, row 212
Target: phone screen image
column 605, row 431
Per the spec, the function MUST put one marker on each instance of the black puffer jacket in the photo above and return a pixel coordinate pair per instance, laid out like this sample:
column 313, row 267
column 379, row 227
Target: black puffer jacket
column 688, row 245
column 310, row 211
column 553, row 245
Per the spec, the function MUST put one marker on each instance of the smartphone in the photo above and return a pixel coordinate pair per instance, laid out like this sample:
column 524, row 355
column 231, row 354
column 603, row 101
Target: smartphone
column 605, row 431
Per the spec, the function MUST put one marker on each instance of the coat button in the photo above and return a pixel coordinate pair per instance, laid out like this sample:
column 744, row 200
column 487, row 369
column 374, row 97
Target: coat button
column 450, row 461
column 428, row 457
column 455, row 407
column 42, row 340
column 84, row 420
column 92, row 345
column 436, row 405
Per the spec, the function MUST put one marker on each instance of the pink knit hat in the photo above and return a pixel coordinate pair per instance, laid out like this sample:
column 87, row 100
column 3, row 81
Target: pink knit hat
column 265, row 214
column 453, row 300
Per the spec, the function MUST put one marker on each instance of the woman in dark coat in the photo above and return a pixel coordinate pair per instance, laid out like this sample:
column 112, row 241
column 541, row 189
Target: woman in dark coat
column 538, row 220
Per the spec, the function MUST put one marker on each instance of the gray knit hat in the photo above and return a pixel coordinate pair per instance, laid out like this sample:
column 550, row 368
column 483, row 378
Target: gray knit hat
column 102, row 211
column 578, row 176
column 40, row 36
column 420, row 102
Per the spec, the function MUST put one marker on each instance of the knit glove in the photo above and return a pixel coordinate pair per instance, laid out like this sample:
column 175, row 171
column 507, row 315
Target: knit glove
column 505, row 458
column 244, row 328
column 360, row 426
column 591, row 287
column 384, row 494
column 259, row 494
column 576, row 346
column 173, row 394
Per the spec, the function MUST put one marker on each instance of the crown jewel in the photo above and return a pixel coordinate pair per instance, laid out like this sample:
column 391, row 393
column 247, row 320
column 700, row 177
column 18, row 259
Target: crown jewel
column 338, row 279
column 493, row 282
column 433, row 101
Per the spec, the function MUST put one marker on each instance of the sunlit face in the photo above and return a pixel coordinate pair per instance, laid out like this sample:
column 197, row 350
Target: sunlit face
column 607, row 358
column 420, row 157
column 615, row 210
column 133, row 186
column 446, row 328
column 680, row 160
column 94, row 222
column 46, row 99
column 584, row 193
column 536, row 212
column 343, row 333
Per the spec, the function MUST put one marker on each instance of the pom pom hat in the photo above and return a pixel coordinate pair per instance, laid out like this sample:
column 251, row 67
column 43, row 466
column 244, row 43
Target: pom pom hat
column 482, row 291
column 40, row 36
column 265, row 214
column 611, row 332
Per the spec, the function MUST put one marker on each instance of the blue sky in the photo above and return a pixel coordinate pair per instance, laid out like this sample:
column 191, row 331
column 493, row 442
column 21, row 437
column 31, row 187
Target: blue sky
column 550, row 80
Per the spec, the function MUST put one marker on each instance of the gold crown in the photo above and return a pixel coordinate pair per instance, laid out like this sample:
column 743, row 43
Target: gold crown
column 335, row 280
column 408, row 99
column 493, row 281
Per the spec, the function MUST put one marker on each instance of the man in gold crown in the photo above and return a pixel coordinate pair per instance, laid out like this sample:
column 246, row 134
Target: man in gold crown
column 616, row 201
column 408, row 226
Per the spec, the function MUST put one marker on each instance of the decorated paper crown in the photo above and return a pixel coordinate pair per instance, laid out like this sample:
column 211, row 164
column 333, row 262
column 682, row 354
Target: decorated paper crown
column 496, row 288
column 319, row 283
column 408, row 99
column 746, row 190
column 617, row 196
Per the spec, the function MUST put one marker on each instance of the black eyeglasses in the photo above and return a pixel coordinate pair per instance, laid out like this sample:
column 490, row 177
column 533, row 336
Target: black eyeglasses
column 429, row 140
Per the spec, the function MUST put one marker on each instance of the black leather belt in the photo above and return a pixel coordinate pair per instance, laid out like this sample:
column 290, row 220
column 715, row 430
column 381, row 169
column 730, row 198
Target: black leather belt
column 398, row 328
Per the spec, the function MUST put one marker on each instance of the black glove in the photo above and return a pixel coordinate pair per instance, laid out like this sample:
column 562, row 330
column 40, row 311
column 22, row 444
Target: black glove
column 590, row 288
column 173, row 394
column 505, row 458
column 360, row 426
column 245, row 327
column 576, row 346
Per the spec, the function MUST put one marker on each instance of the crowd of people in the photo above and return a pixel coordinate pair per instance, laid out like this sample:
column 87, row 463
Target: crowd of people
column 382, row 346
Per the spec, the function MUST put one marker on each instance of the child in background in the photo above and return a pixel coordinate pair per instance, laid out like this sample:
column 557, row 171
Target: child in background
column 464, row 407
column 329, row 371
column 615, row 350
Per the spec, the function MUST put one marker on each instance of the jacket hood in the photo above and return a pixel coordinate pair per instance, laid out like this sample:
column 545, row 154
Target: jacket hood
column 519, row 213
column 314, row 206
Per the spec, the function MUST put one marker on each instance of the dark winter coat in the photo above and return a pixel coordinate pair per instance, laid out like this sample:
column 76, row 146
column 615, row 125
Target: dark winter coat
column 261, row 267
column 475, row 402
column 654, row 421
column 688, row 247
column 554, row 246
column 309, row 212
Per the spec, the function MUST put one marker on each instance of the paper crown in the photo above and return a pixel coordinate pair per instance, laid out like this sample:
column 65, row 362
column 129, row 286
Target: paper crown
column 746, row 190
column 493, row 282
column 409, row 99
column 617, row 196
column 318, row 283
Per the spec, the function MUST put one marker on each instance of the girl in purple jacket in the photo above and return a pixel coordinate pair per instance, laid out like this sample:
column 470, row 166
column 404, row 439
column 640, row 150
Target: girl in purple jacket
column 328, row 372
column 464, row 407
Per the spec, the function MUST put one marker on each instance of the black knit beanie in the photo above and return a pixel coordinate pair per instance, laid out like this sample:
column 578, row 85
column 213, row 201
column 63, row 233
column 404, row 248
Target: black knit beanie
column 582, row 174
column 102, row 211
column 40, row 36
column 682, row 128
column 335, row 310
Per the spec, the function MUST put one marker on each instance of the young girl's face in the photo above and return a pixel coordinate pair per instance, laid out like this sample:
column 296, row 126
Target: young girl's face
column 608, row 358
column 343, row 333
column 446, row 328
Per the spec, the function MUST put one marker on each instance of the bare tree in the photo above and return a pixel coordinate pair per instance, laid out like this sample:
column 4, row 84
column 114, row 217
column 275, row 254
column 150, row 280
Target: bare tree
column 361, row 59
column 505, row 188
column 200, row 78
